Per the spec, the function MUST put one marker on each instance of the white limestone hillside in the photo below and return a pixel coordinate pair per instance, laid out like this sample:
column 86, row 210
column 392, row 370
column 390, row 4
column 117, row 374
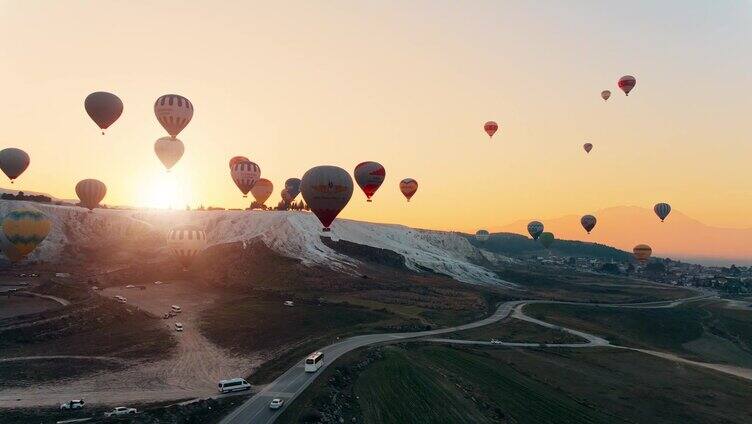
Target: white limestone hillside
column 292, row 234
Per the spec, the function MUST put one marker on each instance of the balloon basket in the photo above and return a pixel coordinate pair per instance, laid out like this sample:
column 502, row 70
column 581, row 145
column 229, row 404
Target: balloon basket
column 368, row 200
column 326, row 229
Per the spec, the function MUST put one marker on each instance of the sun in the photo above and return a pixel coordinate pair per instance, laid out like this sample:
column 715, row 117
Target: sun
column 163, row 190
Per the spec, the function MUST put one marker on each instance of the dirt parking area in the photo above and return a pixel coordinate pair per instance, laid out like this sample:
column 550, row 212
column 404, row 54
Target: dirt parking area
column 191, row 371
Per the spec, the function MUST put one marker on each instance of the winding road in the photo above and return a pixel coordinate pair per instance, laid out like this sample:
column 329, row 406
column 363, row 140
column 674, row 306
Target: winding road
column 295, row 380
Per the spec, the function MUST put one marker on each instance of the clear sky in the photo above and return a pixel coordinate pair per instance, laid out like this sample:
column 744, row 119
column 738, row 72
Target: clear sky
column 408, row 84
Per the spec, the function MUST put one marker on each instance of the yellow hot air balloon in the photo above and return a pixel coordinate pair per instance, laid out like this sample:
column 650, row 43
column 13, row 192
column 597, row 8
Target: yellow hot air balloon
column 262, row 190
column 642, row 252
column 23, row 230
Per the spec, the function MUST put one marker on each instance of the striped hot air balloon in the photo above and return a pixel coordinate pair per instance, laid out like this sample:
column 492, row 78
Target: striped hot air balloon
column 642, row 252
column 535, row 228
column 185, row 242
column 245, row 174
column 262, row 190
column 169, row 151
column 627, row 83
column 408, row 187
column 546, row 239
column 588, row 222
column 90, row 192
column 490, row 128
column 238, row 159
column 326, row 190
column 174, row 112
column 23, row 230
column 662, row 210
column 13, row 162
column 482, row 235
column 369, row 176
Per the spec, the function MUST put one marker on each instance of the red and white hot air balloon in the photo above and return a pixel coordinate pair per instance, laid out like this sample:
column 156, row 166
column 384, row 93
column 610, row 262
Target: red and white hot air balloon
column 237, row 159
column 90, row 192
column 588, row 147
column 369, row 176
column 103, row 108
column 490, row 128
column 169, row 151
column 174, row 112
column 605, row 94
column 186, row 242
column 627, row 83
column 245, row 174
column 326, row 190
column 408, row 187
column 262, row 190
column 13, row 162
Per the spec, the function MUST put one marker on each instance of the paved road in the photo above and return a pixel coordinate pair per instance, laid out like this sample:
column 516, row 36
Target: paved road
column 290, row 384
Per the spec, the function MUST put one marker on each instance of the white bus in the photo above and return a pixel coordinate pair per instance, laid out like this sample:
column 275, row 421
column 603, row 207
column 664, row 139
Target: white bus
column 314, row 361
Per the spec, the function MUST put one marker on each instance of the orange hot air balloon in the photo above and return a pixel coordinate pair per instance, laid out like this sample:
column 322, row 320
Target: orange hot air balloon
column 588, row 147
column 408, row 187
column 490, row 128
column 326, row 190
column 642, row 252
column 90, row 192
column 369, row 176
column 262, row 190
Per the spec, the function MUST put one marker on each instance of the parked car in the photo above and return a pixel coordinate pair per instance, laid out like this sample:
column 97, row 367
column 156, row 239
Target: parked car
column 166, row 316
column 120, row 410
column 176, row 309
column 121, row 299
column 178, row 326
column 130, row 286
column 156, row 283
column 289, row 303
column 276, row 403
column 72, row 404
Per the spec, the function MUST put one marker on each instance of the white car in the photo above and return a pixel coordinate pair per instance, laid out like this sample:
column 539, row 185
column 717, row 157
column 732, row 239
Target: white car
column 276, row 403
column 289, row 303
column 121, row 299
column 178, row 326
column 120, row 410
column 72, row 404
column 130, row 286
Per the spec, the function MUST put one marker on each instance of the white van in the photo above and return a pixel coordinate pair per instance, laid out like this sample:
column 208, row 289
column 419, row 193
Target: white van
column 233, row 385
column 176, row 309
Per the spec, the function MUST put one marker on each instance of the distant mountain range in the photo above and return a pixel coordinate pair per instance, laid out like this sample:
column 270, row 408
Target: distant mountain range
column 679, row 237
column 515, row 245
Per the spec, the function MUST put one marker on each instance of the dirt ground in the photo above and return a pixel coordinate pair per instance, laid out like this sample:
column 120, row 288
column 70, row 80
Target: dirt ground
column 192, row 371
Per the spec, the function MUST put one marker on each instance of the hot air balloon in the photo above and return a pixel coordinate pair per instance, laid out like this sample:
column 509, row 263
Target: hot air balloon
column 588, row 222
column 490, row 127
column 286, row 196
column 169, row 150
column 535, row 228
column 90, row 192
column 546, row 239
column 627, row 83
column 662, row 210
column 642, row 252
column 292, row 185
column 245, row 175
column 605, row 94
column 103, row 108
column 173, row 112
column 482, row 235
column 369, row 176
column 13, row 162
column 588, row 147
column 326, row 190
column 238, row 159
column 262, row 190
column 408, row 187
column 23, row 230
column 185, row 242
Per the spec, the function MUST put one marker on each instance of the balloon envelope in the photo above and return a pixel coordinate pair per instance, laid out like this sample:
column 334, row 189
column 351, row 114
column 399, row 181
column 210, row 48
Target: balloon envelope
column 174, row 112
column 369, row 176
column 642, row 252
column 90, row 192
column 238, row 159
column 627, row 83
column 482, row 235
column 588, row 147
column 185, row 242
column 13, row 162
column 546, row 239
column 292, row 185
column 408, row 187
column 169, row 151
column 490, row 128
column 23, row 230
column 605, row 94
column 262, row 190
column 326, row 190
column 245, row 175
column 103, row 108
column 662, row 210
column 535, row 228
column 588, row 222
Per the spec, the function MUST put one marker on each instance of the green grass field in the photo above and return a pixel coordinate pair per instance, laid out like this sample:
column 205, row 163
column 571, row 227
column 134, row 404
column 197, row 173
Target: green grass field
column 515, row 330
column 699, row 330
column 423, row 383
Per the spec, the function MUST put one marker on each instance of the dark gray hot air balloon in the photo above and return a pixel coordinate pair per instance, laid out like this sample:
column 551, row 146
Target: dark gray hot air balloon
column 326, row 190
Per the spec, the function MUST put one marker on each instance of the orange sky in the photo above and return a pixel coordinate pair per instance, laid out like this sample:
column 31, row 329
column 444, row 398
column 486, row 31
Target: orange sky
column 408, row 85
